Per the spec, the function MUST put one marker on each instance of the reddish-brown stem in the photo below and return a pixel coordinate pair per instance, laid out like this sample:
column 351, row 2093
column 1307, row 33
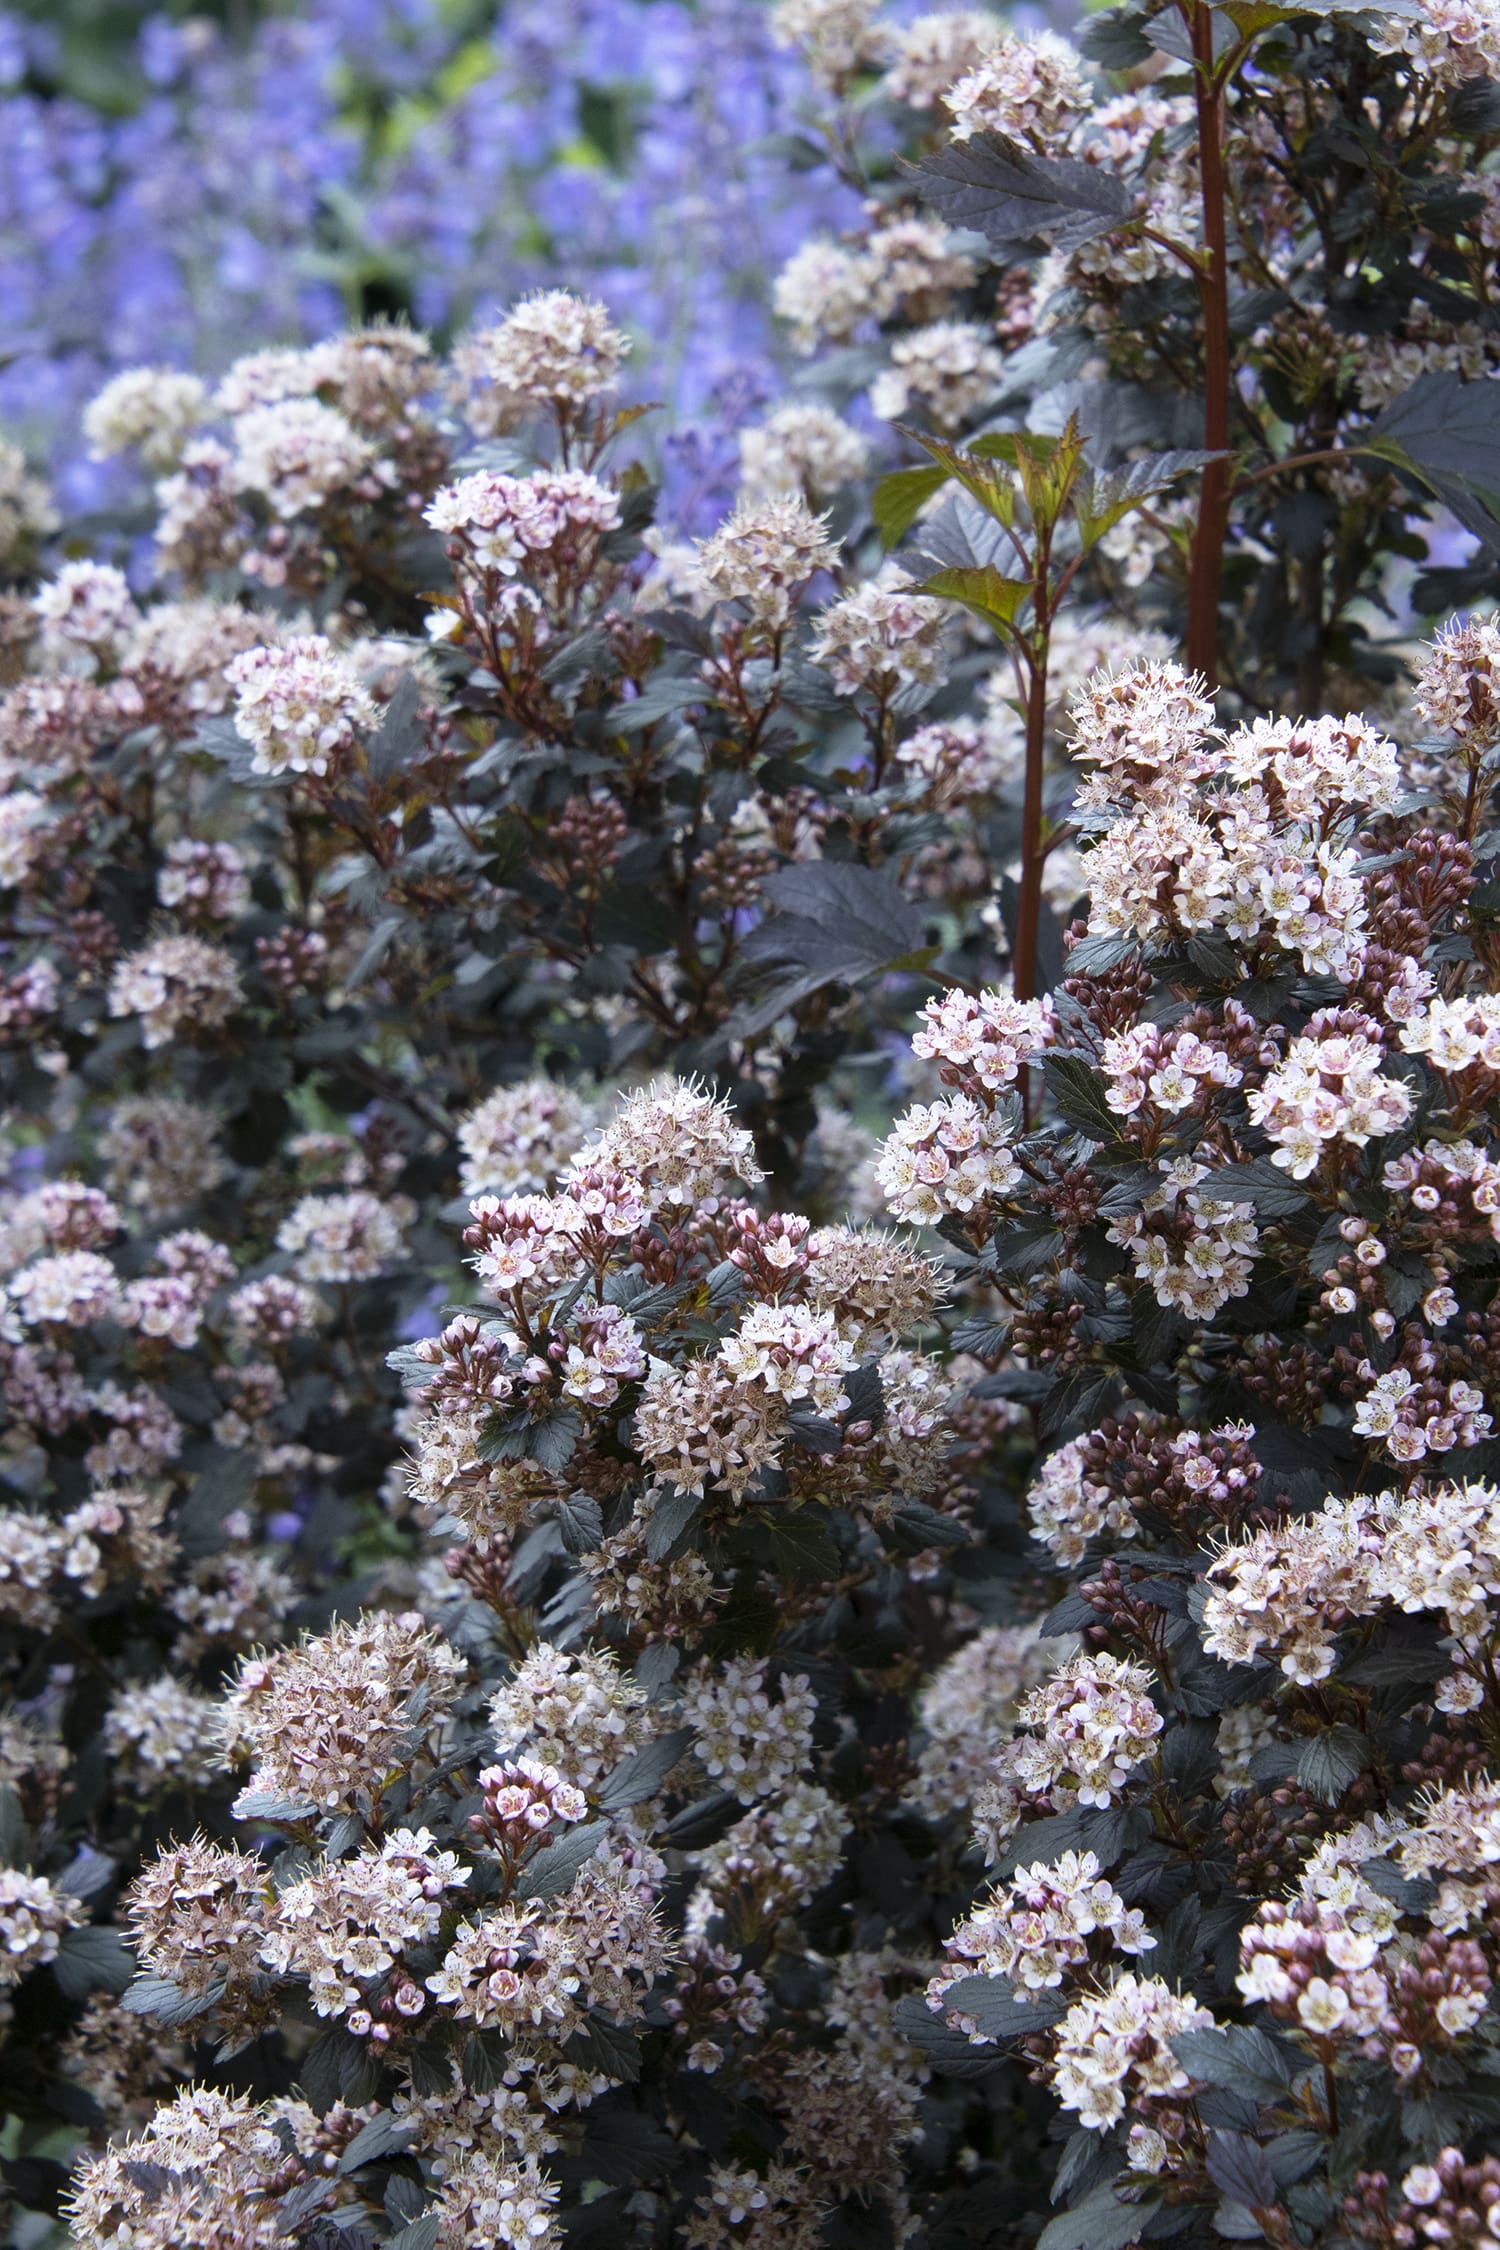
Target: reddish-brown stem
column 1213, row 297
column 1029, row 902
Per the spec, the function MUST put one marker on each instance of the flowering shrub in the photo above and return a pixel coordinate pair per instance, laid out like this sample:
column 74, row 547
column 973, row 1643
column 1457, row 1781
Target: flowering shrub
column 750, row 1489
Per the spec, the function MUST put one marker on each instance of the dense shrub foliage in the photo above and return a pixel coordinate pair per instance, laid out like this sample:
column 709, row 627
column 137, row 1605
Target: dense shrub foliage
column 750, row 1323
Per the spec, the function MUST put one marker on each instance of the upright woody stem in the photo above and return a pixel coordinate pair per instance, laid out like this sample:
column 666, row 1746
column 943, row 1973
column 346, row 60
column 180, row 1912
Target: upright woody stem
column 1213, row 294
column 1029, row 902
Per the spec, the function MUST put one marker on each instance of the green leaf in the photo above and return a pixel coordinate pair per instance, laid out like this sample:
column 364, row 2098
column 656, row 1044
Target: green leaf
column 984, row 1337
column 400, row 737
column 668, row 1520
column 384, row 2135
column 1010, row 195
column 995, row 2007
column 1100, row 2222
column 92, row 1960
column 264, row 1804
column 165, row 2002
column 973, row 467
column 1114, row 39
column 1079, row 1092
column 917, row 1527
column 798, row 1545
column 900, row 498
column 1101, row 501
column 1106, row 1831
column 1237, row 2056
column 986, row 591
column 549, row 1443
column 581, row 1522
column 1106, row 949
column 1274, row 1193
column 948, row 2051
column 421, row 2234
column 1239, row 2169
column 837, row 923
column 704, row 1821
column 642, row 1774
column 1331, row 1761
column 1474, row 107
column 1445, row 433
column 556, row 1867
column 609, row 2047
column 666, row 696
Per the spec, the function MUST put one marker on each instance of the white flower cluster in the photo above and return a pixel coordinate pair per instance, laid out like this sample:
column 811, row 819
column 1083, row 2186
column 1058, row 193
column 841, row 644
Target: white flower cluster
column 1030, row 87
column 539, row 1967
column 575, row 1709
column 697, row 1423
column 348, row 1922
column 325, row 1720
column 949, row 370
column 1195, row 1250
column 1037, row 1931
column 1114, row 2048
column 554, row 351
column 87, row 611
column 1414, row 1418
column 931, row 51
column 34, row 1918
column 161, row 1734
column 776, row 1857
column 677, row 1141
column 1148, row 732
column 520, row 1137
column 204, row 882
column 1458, row 682
column 507, row 524
column 823, row 290
column 746, row 1742
column 876, row 1286
column 1068, row 1510
column 1165, row 1071
column 1311, row 767
column 154, row 409
column 342, row 1238
column 1450, row 43
column 798, row 1355
column 764, row 556
column 1094, row 1724
column 609, row 1351
column 207, row 2162
column 881, row 638
column 160, row 1153
column 1330, row 1089
column 26, row 510
column 1456, row 1835
column 495, row 2199
column 799, row 449
column 1167, row 871
column 23, row 836
column 179, row 987
column 836, row 38
column 1289, row 1588
column 1456, row 1036
column 1439, row 1171
column 298, row 455
column 301, row 705
column 982, row 1039
column 1252, row 852
column 947, row 1157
